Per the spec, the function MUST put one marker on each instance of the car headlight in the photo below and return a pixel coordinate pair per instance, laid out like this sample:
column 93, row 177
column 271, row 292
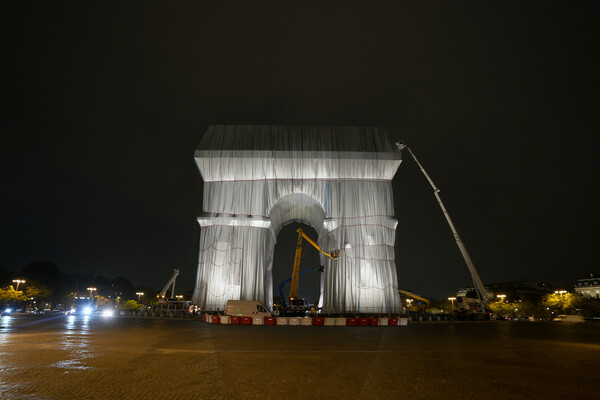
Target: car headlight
column 8, row 310
column 87, row 310
column 107, row 313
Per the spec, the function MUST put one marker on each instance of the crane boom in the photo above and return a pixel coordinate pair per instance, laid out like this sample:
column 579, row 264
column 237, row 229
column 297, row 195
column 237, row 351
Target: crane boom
column 169, row 283
column 298, row 256
column 479, row 288
column 415, row 296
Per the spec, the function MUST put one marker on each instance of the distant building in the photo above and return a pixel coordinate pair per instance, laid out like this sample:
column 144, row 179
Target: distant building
column 589, row 286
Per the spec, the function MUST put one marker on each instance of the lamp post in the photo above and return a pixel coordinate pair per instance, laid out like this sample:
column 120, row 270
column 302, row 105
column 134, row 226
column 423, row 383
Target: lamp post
column 501, row 297
column 91, row 289
column 452, row 301
column 179, row 297
column 139, row 294
column 18, row 281
column 562, row 299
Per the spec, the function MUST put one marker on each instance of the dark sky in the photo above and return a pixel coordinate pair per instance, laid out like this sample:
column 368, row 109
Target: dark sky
column 103, row 106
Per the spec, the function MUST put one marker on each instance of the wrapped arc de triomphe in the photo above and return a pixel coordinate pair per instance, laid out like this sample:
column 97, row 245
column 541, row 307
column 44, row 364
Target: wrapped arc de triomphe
column 335, row 179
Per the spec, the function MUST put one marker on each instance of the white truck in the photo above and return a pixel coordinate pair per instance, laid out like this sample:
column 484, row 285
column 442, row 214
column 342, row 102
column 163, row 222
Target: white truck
column 246, row 308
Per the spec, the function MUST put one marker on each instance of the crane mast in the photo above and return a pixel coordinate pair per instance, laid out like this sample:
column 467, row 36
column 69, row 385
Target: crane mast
column 479, row 288
column 298, row 256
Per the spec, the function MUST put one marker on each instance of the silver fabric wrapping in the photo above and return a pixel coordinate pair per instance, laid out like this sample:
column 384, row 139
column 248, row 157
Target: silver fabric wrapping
column 336, row 179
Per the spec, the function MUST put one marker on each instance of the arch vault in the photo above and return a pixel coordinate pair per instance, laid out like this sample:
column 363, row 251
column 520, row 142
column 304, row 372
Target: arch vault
column 336, row 179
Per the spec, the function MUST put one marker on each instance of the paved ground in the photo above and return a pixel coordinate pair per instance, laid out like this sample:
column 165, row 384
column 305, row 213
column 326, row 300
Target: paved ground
column 57, row 357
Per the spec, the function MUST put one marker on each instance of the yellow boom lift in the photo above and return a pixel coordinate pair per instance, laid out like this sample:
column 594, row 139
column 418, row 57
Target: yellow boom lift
column 294, row 301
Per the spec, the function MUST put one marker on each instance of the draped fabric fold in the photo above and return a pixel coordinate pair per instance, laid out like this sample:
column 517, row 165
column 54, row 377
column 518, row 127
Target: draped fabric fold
column 336, row 179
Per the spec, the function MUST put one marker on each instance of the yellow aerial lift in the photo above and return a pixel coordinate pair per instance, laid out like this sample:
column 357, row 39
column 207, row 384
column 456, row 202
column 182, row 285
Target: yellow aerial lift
column 426, row 302
column 295, row 303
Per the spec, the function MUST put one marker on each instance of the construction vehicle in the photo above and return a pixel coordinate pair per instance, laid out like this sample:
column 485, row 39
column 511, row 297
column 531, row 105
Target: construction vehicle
column 297, row 306
column 174, row 305
column 421, row 305
column 483, row 296
column 170, row 283
column 297, row 303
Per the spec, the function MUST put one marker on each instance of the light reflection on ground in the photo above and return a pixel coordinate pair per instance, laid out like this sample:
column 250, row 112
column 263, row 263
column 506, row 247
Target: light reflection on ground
column 76, row 343
column 151, row 358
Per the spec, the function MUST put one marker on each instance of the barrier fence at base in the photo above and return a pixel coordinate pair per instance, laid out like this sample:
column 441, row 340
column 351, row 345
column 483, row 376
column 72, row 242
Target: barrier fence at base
column 304, row 321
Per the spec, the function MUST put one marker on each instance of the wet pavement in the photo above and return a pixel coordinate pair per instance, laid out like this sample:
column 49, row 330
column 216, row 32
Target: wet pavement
column 59, row 357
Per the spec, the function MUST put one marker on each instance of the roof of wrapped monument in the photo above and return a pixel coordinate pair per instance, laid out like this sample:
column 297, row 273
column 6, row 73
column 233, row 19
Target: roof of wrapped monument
column 257, row 152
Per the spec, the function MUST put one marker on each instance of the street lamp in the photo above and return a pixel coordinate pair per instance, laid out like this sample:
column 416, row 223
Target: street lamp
column 179, row 297
column 452, row 300
column 139, row 294
column 501, row 297
column 18, row 281
column 91, row 289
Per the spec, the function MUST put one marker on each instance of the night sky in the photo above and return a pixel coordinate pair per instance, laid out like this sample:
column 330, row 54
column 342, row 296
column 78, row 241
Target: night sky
column 104, row 103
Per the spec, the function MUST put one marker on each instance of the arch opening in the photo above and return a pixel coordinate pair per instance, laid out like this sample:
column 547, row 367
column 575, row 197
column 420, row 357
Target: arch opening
column 309, row 287
column 289, row 213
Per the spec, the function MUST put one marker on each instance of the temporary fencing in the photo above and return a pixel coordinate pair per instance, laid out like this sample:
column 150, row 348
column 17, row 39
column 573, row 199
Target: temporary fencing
column 303, row 321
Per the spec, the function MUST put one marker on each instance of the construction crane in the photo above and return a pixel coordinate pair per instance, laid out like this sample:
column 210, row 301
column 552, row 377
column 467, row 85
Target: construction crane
column 170, row 282
column 296, row 271
column 482, row 294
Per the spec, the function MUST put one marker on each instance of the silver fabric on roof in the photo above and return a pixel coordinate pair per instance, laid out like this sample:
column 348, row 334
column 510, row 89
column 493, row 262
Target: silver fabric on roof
column 336, row 179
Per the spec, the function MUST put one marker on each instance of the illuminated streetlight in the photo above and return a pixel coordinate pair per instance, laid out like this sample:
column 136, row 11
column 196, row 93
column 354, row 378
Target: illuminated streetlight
column 501, row 297
column 91, row 289
column 139, row 294
column 452, row 300
column 18, row 281
column 179, row 297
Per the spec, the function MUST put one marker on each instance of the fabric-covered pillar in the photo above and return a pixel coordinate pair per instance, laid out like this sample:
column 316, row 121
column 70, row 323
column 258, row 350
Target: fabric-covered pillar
column 236, row 256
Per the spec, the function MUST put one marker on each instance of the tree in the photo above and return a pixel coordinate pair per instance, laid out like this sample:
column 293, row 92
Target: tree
column 130, row 305
column 122, row 287
column 37, row 291
column 587, row 306
column 502, row 308
column 559, row 303
column 9, row 295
